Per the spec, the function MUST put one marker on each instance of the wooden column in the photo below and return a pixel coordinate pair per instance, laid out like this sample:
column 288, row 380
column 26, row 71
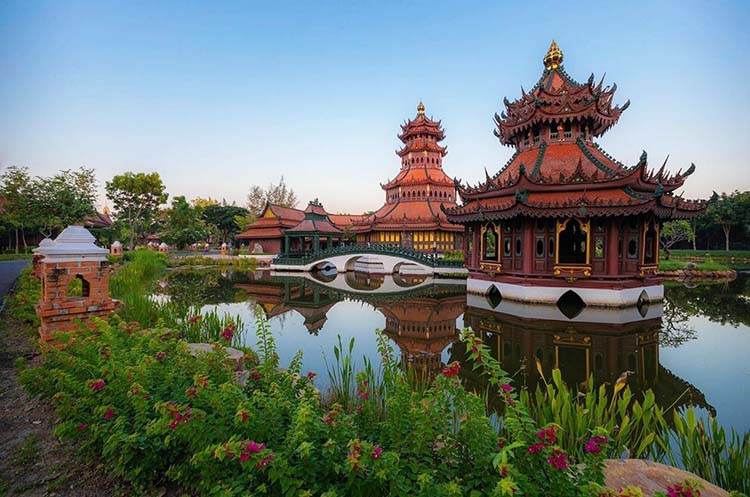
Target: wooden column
column 528, row 247
column 476, row 251
column 612, row 250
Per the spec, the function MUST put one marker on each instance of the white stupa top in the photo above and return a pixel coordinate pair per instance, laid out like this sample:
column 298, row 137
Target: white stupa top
column 75, row 243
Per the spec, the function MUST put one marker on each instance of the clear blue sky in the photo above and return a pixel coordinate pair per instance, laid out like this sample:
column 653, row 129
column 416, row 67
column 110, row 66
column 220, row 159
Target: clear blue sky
column 219, row 96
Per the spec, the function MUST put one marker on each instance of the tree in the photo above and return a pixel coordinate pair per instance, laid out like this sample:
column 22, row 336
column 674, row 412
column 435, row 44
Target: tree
column 17, row 193
column 729, row 211
column 279, row 194
column 183, row 224
column 64, row 199
column 224, row 219
column 674, row 232
column 136, row 198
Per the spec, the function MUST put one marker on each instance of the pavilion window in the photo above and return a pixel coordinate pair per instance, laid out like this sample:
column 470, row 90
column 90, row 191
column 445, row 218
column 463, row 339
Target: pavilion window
column 540, row 247
column 632, row 247
column 551, row 247
column 507, row 248
column 572, row 245
column 650, row 245
column 599, row 247
column 553, row 135
column 568, row 133
column 518, row 246
column 489, row 243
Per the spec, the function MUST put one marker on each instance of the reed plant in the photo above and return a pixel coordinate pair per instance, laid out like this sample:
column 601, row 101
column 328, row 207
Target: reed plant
column 703, row 447
column 634, row 426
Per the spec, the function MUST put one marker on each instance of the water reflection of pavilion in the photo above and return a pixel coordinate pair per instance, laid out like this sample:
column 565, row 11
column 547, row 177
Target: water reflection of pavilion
column 421, row 321
column 604, row 348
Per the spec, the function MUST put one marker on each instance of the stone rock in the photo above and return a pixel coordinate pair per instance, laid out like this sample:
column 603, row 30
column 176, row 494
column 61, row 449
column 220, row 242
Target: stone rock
column 650, row 477
column 236, row 356
column 691, row 265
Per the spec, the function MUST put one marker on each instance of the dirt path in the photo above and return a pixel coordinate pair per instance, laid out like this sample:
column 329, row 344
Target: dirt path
column 33, row 462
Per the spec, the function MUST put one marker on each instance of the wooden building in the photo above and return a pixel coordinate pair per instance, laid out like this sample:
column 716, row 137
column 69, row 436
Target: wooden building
column 563, row 217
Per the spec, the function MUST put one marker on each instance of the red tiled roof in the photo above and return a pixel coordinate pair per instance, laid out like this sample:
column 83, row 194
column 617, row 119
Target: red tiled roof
column 407, row 215
column 420, row 174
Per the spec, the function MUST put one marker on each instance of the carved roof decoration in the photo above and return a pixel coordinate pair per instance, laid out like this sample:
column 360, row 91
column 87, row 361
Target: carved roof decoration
column 421, row 134
column 557, row 97
column 556, row 177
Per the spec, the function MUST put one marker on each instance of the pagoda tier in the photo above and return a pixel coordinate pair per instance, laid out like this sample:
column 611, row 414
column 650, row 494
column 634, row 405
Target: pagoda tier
column 413, row 215
column 557, row 101
column 563, row 214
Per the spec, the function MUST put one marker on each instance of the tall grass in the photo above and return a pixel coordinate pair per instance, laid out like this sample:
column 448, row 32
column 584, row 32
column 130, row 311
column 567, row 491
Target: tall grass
column 634, row 426
column 133, row 285
column 702, row 447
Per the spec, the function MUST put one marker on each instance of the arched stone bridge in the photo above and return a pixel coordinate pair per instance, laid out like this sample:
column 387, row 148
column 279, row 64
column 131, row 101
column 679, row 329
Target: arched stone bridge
column 374, row 258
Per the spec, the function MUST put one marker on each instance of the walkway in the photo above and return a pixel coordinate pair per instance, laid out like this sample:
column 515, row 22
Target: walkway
column 9, row 271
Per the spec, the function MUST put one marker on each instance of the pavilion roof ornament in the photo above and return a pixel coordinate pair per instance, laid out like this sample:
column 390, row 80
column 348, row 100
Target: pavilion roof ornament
column 420, row 108
column 554, row 57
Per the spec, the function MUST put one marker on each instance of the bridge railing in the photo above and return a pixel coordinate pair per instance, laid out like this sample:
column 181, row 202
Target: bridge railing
column 431, row 260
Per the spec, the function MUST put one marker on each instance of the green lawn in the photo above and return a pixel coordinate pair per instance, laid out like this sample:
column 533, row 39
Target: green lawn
column 715, row 254
column 15, row 257
column 676, row 265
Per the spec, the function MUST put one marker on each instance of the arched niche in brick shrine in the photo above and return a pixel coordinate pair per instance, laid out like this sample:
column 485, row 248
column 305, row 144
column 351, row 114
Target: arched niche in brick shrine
column 74, row 273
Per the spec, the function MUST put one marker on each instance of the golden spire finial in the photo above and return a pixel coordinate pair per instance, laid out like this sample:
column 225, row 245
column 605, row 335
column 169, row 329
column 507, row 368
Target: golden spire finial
column 420, row 108
column 554, row 56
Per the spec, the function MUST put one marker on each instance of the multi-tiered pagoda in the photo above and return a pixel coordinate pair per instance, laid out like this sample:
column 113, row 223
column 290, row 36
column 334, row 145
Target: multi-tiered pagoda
column 412, row 214
column 563, row 217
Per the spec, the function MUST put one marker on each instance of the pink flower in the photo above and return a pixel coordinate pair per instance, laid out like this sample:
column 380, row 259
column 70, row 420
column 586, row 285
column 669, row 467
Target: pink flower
column 559, row 460
column 244, row 416
column 594, row 445
column 534, row 448
column 377, row 451
column 547, row 435
column 109, row 414
column 264, row 462
column 505, row 387
column 310, row 375
column 244, row 457
column 253, row 447
column 160, row 356
column 81, row 426
column 97, row 385
column 453, row 369
column 227, row 334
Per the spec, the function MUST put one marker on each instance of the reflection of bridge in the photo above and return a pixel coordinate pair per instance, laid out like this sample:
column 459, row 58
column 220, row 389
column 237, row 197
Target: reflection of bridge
column 374, row 258
column 360, row 286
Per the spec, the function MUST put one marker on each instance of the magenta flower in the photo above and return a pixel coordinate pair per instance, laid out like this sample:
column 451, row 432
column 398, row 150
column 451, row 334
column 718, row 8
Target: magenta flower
column 194, row 319
column 559, row 460
column 505, row 387
column 547, row 435
column 534, row 448
column 264, row 462
column 81, row 426
column 310, row 375
column 160, row 356
column 244, row 416
column 97, row 385
column 453, row 369
column 254, row 448
column 377, row 451
column 227, row 334
column 109, row 414
column 594, row 445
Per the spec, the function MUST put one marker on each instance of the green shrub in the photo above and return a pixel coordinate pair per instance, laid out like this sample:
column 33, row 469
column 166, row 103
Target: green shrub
column 26, row 295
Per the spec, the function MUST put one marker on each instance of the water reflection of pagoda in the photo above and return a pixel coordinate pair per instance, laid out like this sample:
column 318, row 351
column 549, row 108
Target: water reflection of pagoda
column 422, row 328
column 278, row 297
column 579, row 349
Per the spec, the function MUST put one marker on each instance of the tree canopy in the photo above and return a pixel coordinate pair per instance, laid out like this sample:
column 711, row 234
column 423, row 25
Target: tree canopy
column 278, row 193
column 136, row 198
column 183, row 224
column 224, row 219
column 729, row 211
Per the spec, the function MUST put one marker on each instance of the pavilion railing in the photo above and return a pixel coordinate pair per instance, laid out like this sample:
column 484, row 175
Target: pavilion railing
column 431, row 260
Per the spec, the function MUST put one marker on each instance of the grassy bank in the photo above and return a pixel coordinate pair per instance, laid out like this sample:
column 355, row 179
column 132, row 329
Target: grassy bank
column 705, row 265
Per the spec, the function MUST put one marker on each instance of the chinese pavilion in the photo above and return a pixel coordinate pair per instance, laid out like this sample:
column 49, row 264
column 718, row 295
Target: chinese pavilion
column 412, row 215
column 564, row 219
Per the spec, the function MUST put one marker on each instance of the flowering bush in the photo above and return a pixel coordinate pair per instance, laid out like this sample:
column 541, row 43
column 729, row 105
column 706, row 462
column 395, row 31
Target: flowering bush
column 141, row 401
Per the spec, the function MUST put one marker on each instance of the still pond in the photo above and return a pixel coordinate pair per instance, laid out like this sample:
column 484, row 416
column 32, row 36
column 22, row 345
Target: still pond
column 692, row 349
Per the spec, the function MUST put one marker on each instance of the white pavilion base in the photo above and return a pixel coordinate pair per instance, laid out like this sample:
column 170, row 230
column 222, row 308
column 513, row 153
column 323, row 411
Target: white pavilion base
column 550, row 295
